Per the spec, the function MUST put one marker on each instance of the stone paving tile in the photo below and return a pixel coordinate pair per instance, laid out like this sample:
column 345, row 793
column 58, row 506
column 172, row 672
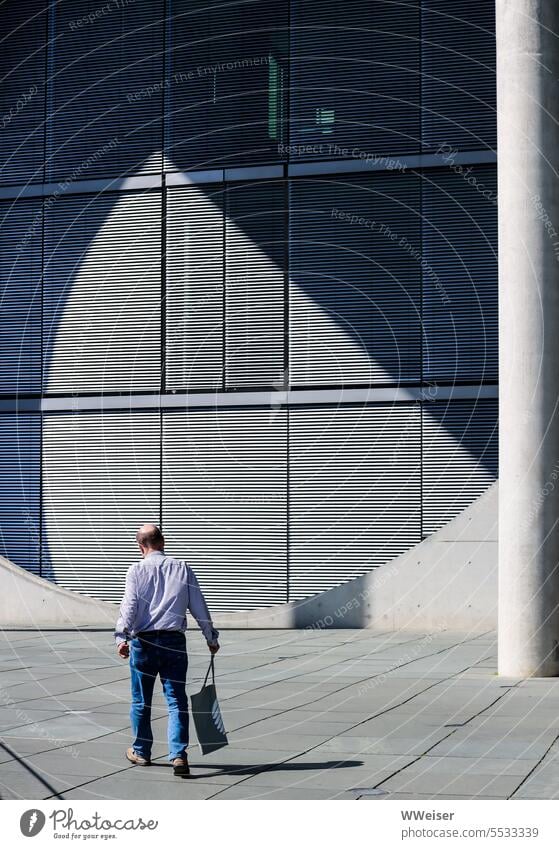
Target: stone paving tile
column 21, row 715
column 253, row 739
column 227, row 765
column 244, row 791
column 120, row 708
column 64, row 762
column 72, row 723
column 59, row 687
column 234, row 718
column 18, row 783
column 511, row 711
column 42, row 742
column 281, row 725
column 423, row 797
column 318, row 772
column 459, row 775
column 468, row 743
column 325, row 716
column 374, row 700
column 126, row 787
column 543, row 782
column 451, row 704
column 354, row 709
column 109, row 749
column 269, row 704
column 474, row 766
column 26, row 747
column 394, row 723
column 437, row 782
column 69, row 726
column 385, row 745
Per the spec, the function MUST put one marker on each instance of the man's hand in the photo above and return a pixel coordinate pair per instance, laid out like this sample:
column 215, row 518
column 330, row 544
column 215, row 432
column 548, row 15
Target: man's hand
column 123, row 650
column 213, row 647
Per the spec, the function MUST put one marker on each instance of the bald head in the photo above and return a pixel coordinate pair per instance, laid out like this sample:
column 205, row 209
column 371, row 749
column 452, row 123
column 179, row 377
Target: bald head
column 149, row 537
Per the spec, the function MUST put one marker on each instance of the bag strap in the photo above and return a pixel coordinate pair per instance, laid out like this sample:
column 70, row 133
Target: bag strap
column 210, row 667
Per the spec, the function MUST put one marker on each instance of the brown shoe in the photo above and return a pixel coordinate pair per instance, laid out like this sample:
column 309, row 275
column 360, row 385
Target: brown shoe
column 136, row 759
column 180, row 766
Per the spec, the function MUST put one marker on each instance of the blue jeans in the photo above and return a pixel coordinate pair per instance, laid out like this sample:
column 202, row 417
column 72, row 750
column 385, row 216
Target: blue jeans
column 162, row 654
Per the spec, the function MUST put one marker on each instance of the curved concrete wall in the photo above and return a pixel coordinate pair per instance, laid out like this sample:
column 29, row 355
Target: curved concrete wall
column 30, row 602
column 447, row 581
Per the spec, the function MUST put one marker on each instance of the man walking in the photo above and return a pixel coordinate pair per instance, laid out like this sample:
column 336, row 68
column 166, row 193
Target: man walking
column 150, row 630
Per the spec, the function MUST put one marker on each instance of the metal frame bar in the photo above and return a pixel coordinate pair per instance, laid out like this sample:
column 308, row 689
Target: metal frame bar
column 269, row 398
column 260, row 172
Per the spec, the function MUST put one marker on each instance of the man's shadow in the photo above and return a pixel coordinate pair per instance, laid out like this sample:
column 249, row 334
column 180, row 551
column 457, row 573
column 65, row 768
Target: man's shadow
column 255, row 769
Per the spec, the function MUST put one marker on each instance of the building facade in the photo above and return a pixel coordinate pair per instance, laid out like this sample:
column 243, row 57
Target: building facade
column 248, row 285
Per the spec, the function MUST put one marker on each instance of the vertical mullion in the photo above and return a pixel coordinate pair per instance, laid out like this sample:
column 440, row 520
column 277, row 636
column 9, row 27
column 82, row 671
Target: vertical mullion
column 161, row 467
column 287, row 349
column 288, row 503
column 225, row 208
column 288, row 86
column 167, row 60
column 41, row 387
column 165, row 117
column 421, row 363
column 421, row 294
column 163, row 288
column 286, row 354
column 49, row 63
column 48, row 27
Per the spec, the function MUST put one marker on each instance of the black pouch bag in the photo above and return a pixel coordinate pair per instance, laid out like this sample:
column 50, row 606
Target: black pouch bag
column 207, row 716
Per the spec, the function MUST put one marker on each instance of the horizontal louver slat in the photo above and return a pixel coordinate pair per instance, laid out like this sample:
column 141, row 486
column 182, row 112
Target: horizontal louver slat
column 460, row 288
column 227, row 72
column 20, row 296
column 460, row 457
column 224, row 502
column 105, row 86
column 255, row 284
column 100, row 483
column 354, row 499
column 22, row 90
column 355, row 280
column 194, row 288
column 20, row 460
column 354, row 82
column 458, row 75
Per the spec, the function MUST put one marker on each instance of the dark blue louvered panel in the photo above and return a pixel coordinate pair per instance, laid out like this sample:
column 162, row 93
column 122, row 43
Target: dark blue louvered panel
column 22, row 90
column 225, row 502
column 460, row 289
column 458, row 75
column 20, row 295
column 102, row 293
column 354, row 492
column 227, row 70
column 255, row 285
column 20, row 461
column 355, row 78
column 194, row 288
column 105, row 83
column 460, row 457
column 100, row 483
column 355, row 280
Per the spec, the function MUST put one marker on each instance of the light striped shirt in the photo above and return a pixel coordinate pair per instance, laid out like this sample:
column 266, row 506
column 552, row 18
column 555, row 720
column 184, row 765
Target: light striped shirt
column 158, row 592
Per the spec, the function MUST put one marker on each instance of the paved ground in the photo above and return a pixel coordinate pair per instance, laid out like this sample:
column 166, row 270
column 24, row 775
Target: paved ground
column 310, row 715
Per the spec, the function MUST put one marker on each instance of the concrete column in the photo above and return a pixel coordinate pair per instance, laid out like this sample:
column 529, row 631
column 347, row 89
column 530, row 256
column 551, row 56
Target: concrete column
column 528, row 157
